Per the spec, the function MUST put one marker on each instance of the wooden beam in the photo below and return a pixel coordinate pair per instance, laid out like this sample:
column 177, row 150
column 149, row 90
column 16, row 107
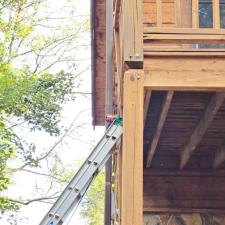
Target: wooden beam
column 219, row 157
column 146, row 103
column 195, row 13
column 174, row 30
column 216, row 14
column 185, row 38
column 207, row 117
column 184, row 81
column 133, row 31
column 132, row 152
column 162, row 118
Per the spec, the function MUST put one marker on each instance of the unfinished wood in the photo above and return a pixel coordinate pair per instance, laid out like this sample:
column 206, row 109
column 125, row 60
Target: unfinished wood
column 178, row 13
column 159, row 13
column 132, row 165
column 180, row 81
column 173, row 192
column 185, row 38
column 172, row 30
column 219, row 157
column 146, row 103
column 200, row 129
column 133, row 30
column 187, row 53
column 216, row 14
column 161, row 121
column 195, row 13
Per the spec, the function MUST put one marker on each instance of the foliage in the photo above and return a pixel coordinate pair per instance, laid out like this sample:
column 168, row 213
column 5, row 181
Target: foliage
column 93, row 204
column 33, row 85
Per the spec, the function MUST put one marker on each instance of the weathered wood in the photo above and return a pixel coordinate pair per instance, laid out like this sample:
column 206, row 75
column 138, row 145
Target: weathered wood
column 162, row 118
column 162, row 80
column 216, row 14
column 219, row 157
column 200, row 129
column 133, row 31
column 173, row 30
column 132, row 165
column 195, row 13
column 146, row 104
column 159, row 13
column 181, row 192
column 185, row 38
column 185, row 53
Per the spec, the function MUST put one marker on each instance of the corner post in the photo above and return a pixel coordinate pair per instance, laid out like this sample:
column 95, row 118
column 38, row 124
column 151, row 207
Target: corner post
column 133, row 33
column 132, row 153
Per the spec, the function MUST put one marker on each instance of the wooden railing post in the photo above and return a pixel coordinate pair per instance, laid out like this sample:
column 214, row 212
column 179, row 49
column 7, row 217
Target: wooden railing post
column 133, row 33
column 132, row 152
column 195, row 13
column 216, row 14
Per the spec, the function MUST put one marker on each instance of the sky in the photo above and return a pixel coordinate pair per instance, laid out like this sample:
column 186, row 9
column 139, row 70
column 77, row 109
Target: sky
column 74, row 149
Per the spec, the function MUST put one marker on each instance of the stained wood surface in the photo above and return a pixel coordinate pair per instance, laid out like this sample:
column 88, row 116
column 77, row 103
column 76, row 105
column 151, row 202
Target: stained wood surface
column 132, row 153
column 182, row 193
column 201, row 127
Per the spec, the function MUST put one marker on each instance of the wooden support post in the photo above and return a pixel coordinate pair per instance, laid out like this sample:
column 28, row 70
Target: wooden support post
column 162, row 118
column 216, row 14
column 133, row 33
column 195, row 14
column 219, row 157
column 132, row 165
column 207, row 117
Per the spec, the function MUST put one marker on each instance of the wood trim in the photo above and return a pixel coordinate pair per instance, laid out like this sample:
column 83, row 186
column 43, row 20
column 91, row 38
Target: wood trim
column 183, row 210
column 133, row 30
column 132, row 165
column 162, row 118
column 216, row 14
column 159, row 13
column 185, row 38
column 187, row 173
column 187, row 53
column 207, row 117
column 188, row 81
column 172, row 30
column 195, row 14
column 219, row 157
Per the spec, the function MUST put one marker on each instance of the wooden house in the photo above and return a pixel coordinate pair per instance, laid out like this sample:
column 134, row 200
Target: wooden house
column 160, row 64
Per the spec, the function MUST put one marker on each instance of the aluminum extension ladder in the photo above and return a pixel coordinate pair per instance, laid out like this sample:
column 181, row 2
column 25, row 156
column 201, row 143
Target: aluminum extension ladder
column 75, row 190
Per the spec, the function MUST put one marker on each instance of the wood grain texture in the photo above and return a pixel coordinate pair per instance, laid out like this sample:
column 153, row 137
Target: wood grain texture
column 168, row 192
column 207, row 117
column 162, row 118
column 132, row 153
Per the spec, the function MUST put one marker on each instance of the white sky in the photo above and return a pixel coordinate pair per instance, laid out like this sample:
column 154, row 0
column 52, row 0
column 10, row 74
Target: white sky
column 72, row 152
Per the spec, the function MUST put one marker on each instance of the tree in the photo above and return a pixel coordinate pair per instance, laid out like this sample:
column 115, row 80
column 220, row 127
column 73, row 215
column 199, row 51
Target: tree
column 39, row 71
column 93, row 203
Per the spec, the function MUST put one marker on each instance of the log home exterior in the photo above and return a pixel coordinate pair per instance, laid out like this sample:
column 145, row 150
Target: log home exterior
column 168, row 71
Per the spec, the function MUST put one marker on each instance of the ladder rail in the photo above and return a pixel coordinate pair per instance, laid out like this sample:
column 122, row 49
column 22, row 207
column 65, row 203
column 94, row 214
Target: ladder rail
column 77, row 187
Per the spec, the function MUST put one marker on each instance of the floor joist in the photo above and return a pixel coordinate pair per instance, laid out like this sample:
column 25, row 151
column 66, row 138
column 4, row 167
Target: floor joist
column 213, row 106
column 219, row 157
column 162, row 118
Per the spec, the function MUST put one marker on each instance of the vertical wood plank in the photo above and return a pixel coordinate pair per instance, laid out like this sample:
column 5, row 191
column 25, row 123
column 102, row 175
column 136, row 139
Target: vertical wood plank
column 133, row 33
column 159, row 13
column 195, row 13
column 132, row 165
column 178, row 13
column 216, row 14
